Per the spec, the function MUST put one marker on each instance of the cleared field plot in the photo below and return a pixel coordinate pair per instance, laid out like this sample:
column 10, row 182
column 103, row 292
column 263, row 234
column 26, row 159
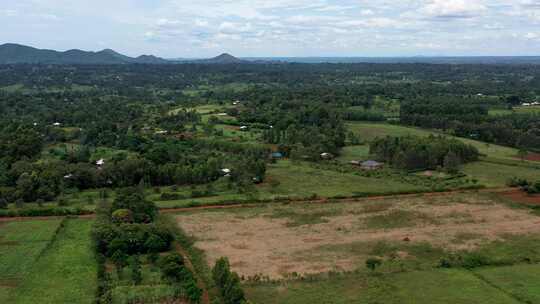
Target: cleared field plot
column 280, row 240
column 62, row 271
column 521, row 281
column 425, row 287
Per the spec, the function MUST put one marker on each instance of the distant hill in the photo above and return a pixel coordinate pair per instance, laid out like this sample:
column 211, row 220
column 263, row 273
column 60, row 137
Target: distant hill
column 222, row 59
column 15, row 53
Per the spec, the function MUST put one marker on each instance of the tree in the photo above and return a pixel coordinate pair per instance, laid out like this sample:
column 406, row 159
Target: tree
column 373, row 263
column 155, row 244
column 172, row 266
column 451, row 163
column 133, row 199
column 522, row 153
column 3, row 203
column 135, row 266
column 120, row 261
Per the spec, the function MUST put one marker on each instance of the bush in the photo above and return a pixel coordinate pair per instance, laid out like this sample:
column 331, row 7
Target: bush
column 228, row 282
column 517, row 182
column 167, row 196
column 373, row 263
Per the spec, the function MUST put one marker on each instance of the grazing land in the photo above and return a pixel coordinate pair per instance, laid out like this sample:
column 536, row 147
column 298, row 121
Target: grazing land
column 47, row 262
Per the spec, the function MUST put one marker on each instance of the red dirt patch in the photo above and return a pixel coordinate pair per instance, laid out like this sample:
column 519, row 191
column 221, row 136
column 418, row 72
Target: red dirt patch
column 531, row 157
column 519, row 196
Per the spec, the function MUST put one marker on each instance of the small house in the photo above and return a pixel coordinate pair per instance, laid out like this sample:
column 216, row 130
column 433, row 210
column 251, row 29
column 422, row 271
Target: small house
column 57, row 124
column 277, row 155
column 371, row 165
column 100, row 162
column 244, row 128
column 226, row 172
column 327, row 155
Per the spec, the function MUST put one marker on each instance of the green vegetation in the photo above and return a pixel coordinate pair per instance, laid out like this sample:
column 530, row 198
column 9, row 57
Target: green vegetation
column 56, row 266
column 441, row 286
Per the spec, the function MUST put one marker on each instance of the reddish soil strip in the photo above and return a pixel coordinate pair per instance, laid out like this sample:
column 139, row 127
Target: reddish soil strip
column 521, row 197
column 343, row 200
column 533, row 157
column 317, row 201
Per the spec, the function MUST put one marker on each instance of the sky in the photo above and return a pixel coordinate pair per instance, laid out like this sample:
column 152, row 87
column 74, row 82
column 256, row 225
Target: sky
column 277, row 28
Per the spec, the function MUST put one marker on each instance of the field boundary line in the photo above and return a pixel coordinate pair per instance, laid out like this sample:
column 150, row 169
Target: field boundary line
column 61, row 227
column 511, row 295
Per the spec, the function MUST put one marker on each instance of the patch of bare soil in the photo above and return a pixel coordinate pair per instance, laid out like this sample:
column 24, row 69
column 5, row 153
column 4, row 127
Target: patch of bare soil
column 532, row 157
column 266, row 245
column 519, row 196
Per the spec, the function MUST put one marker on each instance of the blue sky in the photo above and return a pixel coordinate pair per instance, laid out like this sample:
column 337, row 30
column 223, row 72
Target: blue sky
column 203, row 28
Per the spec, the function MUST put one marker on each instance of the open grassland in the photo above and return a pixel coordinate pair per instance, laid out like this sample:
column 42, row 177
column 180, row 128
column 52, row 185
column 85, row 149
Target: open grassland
column 294, row 180
column 497, row 175
column 271, row 246
column 60, row 268
column 418, row 287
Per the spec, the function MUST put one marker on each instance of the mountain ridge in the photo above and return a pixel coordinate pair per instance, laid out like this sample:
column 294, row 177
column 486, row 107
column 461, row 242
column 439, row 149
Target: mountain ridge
column 12, row 53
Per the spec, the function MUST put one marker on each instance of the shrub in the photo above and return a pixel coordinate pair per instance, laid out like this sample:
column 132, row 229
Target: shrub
column 373, row 263
column 135, row 266
column 167, row 196
column 122, row 216
column 228, row 282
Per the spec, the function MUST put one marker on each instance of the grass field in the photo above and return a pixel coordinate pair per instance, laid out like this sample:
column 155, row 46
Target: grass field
column 496, row 175
column 369, row 131
column 521, row 281
column 501, row 162
column 439, row 286
column 327, row 245
column 60, row 268
column 296, row 180
column 21, row 243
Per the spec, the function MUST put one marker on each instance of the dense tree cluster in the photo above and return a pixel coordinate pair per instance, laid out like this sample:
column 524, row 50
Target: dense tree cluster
column 469, row 118
column 412, row 152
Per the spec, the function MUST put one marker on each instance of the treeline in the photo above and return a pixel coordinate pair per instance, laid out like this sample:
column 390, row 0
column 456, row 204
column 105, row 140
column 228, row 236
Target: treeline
column 414, row 153
column 469, row 118
column 128, row 229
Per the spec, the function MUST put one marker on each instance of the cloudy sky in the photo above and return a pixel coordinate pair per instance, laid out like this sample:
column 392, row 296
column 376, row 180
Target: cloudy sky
column 202, row 28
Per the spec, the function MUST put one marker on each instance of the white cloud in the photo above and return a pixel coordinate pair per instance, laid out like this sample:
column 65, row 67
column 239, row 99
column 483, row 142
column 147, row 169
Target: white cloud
column 453, row 8
column 367, row 12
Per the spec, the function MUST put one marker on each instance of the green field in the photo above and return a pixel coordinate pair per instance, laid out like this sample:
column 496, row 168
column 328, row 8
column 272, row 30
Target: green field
column 296, row 180
column 497, row 175
column 521, row 281
column 47, row 262
column 425, row 287
column 369, row 131
column 501, row 162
